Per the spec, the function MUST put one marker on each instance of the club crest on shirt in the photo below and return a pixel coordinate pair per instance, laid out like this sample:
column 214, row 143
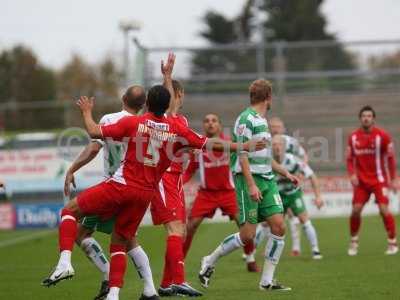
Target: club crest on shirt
column 241, row 129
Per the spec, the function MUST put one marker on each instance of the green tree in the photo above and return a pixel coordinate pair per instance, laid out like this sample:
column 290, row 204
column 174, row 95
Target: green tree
column 286, row 21
column 76, row 78
column 109, row 78
column 23, row 78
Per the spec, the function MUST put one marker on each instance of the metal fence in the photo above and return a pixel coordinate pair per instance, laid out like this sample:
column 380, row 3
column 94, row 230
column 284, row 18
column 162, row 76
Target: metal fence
column 319, row 87
column 296, row 67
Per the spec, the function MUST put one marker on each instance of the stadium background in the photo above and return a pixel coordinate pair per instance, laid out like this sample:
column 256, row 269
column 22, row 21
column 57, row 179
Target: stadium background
column 319, row 87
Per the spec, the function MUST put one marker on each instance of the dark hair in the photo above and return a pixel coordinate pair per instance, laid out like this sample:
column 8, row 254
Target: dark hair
column 158, row 100
column 367, row 108
column 135, row 97
column 177, row 85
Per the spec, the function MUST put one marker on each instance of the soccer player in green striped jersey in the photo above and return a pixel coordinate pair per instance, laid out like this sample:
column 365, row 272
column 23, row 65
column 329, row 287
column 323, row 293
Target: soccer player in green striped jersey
column 256, row 190
column 292, row 195
column 292, row 146
column 133, row 101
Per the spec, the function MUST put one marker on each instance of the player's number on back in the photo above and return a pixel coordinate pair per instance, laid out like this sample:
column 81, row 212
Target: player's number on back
column 153, row 153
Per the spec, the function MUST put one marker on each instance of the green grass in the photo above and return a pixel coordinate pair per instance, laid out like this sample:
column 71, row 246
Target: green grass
column 370, row 275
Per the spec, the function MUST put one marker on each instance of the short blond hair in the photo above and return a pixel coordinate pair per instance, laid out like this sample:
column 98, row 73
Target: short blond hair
column 260, row 90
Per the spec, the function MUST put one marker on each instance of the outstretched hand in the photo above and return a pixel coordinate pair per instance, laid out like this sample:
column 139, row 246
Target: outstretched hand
column 168, row 67
column 294, row 179
column 69, row 180
column 85, row 103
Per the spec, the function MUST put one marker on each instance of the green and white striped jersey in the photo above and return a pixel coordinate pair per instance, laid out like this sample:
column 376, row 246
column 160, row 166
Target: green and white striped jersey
column 295, row 166
column 113, row 151
column 250, row 125
column 293, row 146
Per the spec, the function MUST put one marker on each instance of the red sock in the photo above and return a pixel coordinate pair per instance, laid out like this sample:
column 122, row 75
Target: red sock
column 176, row 258
column 117, row 265
column 390, row 225
column 249, row 248
column 187, row 244
column 167, row 275
column 355, row 223
column 67, row 230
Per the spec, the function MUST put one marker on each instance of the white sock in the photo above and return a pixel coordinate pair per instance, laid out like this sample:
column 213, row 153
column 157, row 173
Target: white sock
column 65, row 259
column 273, row 252
column 95, row 253
column 113, row 294
column 295, row 234
column 311, row 235
column 262, row 233
column 229, row 244
column 142, row 265
column 251, row 257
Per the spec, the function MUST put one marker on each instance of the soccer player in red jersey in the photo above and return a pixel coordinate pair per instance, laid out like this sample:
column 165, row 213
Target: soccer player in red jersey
column 152, row 142
column 216, row 189
column 369, row 151
column 171, row 211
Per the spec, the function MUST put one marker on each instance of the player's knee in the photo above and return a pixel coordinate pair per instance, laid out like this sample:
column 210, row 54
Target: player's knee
column 133, row 243
column 247, row 235
column 278, row 228
column 247, row 238
column 83, row 233
column 175, row 228
column 384, row 210
column 71, row 208
column 303, row 218
column 356, row 211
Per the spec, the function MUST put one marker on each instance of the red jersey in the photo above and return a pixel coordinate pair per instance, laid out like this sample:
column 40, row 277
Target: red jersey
column 370, row 155
column 177, row 167
column 215, row 174
column 151, row 144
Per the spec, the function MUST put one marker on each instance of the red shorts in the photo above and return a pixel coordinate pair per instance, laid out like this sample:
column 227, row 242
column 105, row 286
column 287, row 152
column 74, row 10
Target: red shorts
column 362, row 192
column 110, row 198
column 169, row 204
column 207, row 202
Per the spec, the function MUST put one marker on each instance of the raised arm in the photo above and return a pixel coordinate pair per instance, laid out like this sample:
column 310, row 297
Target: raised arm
column 86, row 156
column 86, row 106
column 166, row 70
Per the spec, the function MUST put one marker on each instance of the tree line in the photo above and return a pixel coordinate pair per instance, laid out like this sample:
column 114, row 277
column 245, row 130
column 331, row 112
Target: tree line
column 23, row 78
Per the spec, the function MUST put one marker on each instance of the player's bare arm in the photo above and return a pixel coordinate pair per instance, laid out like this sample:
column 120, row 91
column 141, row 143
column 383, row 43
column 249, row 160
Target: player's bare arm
column 86, row 105
column 254, row 191
column 392, row 165
column 350, row 164
column 166, row 70
column 317, row 191
column 1, row 184
column 86, row 156
column 218, row 144
column 277, row 167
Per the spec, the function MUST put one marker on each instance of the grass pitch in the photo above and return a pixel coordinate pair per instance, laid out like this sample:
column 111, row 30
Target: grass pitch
column 26, row 257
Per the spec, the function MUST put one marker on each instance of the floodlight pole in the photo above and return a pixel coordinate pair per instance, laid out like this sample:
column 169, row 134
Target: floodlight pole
column 127, row 27
column 260, row 50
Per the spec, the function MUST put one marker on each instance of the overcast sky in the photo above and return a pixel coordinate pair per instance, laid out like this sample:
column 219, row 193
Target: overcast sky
column 55, row 28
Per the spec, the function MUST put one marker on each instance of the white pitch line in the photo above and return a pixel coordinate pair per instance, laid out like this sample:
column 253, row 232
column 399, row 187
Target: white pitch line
column 24, row 238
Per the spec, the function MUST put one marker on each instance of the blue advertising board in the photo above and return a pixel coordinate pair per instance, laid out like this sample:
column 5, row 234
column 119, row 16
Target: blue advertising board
column 37, row 215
